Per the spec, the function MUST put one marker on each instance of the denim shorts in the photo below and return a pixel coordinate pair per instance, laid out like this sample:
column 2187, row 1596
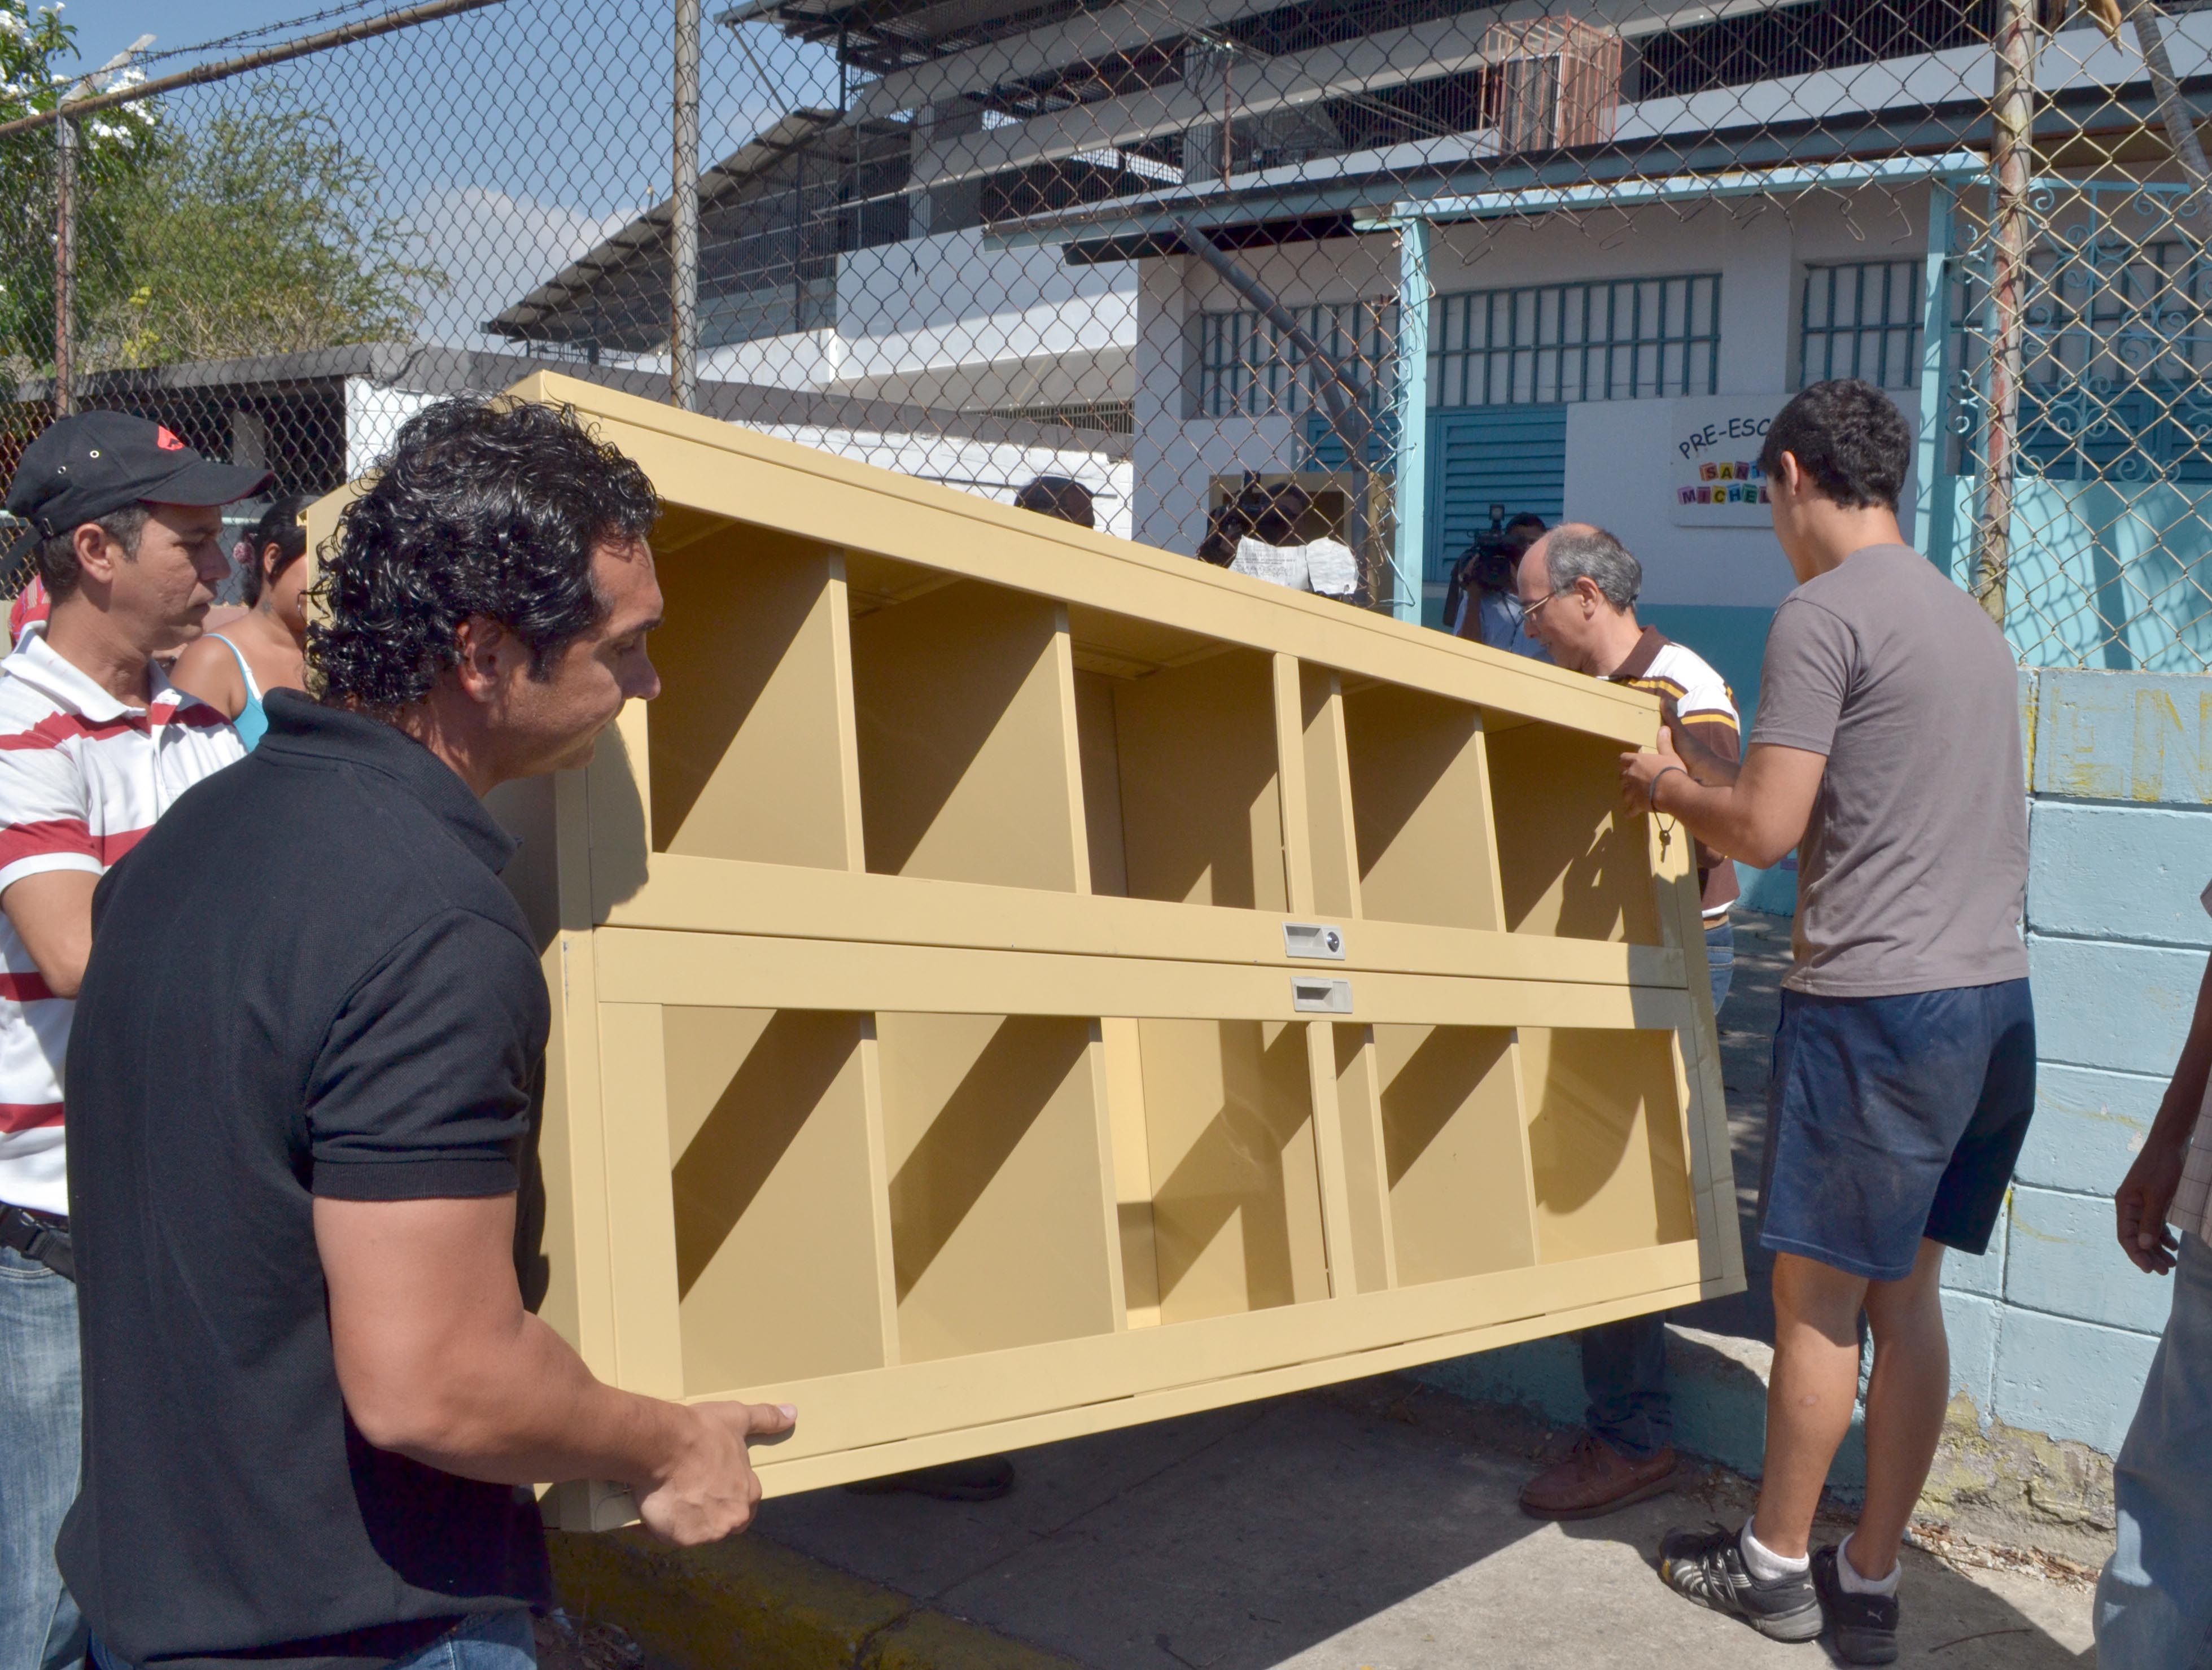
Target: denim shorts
column 1894, row 1118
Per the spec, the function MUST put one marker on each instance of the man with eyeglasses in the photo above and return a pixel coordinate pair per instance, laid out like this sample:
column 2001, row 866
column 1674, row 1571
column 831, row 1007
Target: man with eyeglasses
column 1577, row 587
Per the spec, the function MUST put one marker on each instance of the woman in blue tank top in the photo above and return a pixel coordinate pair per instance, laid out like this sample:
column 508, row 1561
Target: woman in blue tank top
column 231, row 668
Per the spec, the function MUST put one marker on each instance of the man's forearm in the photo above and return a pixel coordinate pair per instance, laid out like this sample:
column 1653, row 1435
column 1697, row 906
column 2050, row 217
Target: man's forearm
column 1717, row 814
column 2179, row 1109
column 520, row 1407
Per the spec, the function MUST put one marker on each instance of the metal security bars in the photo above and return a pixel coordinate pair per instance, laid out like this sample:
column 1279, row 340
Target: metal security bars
column 1248, row 367
column 1863, row 319
column 1630, row 340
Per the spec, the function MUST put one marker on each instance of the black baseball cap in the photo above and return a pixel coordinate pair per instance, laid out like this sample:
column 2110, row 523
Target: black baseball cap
column 95, row 462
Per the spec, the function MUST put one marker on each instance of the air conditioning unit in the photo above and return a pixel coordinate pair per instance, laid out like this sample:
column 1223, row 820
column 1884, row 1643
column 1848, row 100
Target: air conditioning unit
column 1554, row 82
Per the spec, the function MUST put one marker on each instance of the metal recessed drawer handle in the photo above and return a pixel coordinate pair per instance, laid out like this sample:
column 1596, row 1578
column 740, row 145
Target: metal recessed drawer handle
column 1321, row 997
column 1313, row 939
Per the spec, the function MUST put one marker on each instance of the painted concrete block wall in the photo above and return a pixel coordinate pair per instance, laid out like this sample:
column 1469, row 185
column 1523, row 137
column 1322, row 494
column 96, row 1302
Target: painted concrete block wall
column 2119, row 849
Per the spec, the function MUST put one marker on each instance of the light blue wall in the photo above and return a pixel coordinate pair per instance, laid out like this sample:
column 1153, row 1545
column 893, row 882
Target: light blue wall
column 1733, row 639
column 2054, row 1330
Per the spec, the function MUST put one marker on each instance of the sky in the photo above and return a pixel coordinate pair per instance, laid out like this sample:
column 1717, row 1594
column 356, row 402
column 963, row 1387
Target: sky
column 501, row 177
column 104, row 28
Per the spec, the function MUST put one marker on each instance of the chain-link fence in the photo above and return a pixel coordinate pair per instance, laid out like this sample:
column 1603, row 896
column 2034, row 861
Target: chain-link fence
column 1332, row 288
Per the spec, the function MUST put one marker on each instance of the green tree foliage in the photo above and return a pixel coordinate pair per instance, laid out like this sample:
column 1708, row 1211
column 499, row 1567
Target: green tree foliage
column 113, row 147
column 255, row 230
column 236, row 230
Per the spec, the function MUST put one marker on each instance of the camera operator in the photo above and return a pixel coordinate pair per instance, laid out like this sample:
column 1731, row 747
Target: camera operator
column 1483, row 603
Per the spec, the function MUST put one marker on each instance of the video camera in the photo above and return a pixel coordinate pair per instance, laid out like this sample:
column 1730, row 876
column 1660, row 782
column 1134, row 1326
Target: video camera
column 1488, row 564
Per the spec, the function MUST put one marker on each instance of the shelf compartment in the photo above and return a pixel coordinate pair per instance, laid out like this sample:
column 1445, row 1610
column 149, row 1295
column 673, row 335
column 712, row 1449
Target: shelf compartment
column 1236, row 1193
column 1359, row 1116
column 998, row 1220
column 749, row 746
column 1420, row 808
column 961, row 699
column 1180, row 790
column 1572, row 863
column 1452, row 1141
column 1606, row 1151
column 768, row 1131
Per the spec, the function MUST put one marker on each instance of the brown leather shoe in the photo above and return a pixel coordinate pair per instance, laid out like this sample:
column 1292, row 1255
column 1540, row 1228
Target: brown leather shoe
column 1596, row 1479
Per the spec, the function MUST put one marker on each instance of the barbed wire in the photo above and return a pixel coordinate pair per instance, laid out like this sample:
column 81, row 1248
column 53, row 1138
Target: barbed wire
column 266, row 31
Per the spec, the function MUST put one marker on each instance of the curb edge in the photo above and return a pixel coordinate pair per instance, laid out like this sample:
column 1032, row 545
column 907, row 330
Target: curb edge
column 751, row 1604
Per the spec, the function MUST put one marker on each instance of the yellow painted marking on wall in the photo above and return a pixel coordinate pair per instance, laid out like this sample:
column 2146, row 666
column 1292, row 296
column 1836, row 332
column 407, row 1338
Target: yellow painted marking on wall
column 2156, row 717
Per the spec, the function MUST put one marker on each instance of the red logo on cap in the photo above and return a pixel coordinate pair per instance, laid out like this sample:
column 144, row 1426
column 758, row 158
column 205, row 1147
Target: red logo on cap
column 166, row 441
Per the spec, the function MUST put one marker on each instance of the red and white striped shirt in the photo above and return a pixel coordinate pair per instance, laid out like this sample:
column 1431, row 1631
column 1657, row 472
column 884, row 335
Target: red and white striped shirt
column 82, row 778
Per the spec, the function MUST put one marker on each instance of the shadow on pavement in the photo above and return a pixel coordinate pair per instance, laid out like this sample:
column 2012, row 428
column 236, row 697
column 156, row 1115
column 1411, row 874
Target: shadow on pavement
column 1375, row 1526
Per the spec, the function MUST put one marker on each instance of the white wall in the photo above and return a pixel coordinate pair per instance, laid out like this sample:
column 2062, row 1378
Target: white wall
column 1163, row 347
column 801, row 360
column 993, row 469
column 1620, row 475
column 949, row 280
column 943, row 319
column 373, row 413
column 1617, row 451
column 996, row 470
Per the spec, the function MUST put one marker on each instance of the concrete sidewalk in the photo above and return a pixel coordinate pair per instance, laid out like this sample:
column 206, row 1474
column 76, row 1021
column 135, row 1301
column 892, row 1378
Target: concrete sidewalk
column 1374, row 1526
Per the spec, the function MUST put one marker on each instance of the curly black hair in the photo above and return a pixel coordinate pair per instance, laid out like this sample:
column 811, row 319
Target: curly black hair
column 484, row 506
column 1848, row 437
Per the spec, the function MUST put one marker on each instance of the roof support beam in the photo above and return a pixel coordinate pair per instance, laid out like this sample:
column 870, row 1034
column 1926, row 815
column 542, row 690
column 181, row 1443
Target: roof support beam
column 1084, row 39
column 1389, row 58
column 1685, row 188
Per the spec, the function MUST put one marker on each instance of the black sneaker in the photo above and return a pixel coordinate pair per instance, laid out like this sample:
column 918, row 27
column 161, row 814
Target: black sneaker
column 1707, row 1567
column 1862, row 1627
column 985, row 1479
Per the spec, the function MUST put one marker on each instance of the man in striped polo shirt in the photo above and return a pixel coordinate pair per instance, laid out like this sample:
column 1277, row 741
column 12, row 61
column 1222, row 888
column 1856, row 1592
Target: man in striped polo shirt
column 1577, row 590
column 125, row 530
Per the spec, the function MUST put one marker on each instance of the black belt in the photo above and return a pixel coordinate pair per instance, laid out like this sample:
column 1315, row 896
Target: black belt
column 38, row 1235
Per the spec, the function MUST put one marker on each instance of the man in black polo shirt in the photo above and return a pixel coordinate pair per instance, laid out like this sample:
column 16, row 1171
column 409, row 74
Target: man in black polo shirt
column 302, row 1103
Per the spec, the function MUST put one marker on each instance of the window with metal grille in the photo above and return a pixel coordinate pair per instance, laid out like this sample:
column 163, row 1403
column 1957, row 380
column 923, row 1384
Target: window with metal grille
column 1863, row 319
column 1616, row 339
column 1248, row 368
column 2118, row 363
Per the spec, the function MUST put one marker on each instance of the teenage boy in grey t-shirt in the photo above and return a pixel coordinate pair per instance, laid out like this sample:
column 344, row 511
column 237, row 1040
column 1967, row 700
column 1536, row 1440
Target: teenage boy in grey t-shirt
column 1887, row 752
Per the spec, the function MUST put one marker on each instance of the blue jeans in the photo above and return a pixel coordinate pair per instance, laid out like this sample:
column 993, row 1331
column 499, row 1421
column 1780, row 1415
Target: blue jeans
column 1625, row 1362
column 41, row 1406
column 1720, row 959
column 2154, row 1600
column 488, row 1641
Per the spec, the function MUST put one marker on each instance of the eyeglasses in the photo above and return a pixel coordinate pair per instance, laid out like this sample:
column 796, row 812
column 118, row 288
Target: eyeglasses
column 1528, row 609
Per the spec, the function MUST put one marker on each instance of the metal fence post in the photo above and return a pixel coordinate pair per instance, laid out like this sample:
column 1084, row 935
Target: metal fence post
column 2012, row 142
column 1413, row 494
column 1936, row 514
column 683, row 217
column 65, row 138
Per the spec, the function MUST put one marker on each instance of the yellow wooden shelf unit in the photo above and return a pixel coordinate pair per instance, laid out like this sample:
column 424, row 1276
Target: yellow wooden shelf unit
column 1015, row 982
